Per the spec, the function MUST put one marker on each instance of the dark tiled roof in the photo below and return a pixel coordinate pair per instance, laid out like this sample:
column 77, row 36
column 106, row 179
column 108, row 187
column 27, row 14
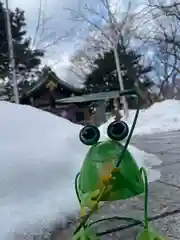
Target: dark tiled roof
column 44, row 78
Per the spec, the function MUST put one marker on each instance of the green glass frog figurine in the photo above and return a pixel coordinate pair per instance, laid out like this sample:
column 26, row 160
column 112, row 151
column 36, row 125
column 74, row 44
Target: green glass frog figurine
column 100, row 166
column 109, row 173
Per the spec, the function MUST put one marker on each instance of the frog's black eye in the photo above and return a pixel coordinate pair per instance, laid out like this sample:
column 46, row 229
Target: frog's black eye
column 89, row 135
column 117, row 130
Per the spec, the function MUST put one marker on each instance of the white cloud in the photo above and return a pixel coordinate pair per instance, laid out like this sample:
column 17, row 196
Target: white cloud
column 59, row 65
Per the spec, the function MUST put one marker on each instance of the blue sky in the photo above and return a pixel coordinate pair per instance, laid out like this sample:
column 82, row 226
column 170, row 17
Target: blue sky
column 57, row 26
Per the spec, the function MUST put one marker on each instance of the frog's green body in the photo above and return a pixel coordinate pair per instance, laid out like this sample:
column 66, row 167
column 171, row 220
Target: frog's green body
column 109, row 173
column 100, row 160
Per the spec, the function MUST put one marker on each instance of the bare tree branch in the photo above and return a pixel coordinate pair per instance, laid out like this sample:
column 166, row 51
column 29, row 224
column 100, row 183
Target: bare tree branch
column 38, row 22
column 165, row 40
column 79, row 16
column 105, row 36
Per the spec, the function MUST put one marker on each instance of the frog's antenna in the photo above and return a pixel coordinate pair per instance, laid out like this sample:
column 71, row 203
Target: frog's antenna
column 130, row 92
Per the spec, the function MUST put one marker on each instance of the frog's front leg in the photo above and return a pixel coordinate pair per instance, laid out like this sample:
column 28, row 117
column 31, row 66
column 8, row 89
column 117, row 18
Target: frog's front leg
column 89, row 200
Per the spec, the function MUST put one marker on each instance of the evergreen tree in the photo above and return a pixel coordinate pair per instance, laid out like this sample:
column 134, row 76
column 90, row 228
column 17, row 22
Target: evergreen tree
column 26, row 59
column 104, row 76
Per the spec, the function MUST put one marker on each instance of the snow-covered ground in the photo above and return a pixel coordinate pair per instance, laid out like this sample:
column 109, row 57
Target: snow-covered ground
column 40, row 156
column 160, row 117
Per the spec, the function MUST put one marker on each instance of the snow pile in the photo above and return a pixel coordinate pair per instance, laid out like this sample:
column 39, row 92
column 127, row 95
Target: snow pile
column 40, row 156
column 160, row 117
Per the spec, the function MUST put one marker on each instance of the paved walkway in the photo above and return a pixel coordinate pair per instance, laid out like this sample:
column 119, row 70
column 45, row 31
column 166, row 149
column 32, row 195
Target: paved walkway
column 164, row 195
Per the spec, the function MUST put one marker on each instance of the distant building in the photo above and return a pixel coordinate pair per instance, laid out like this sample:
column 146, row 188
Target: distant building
column 47, row 90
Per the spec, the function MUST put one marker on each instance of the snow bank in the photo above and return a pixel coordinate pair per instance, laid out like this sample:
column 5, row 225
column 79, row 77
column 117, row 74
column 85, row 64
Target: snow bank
column 160, row 117
column 40, row 156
